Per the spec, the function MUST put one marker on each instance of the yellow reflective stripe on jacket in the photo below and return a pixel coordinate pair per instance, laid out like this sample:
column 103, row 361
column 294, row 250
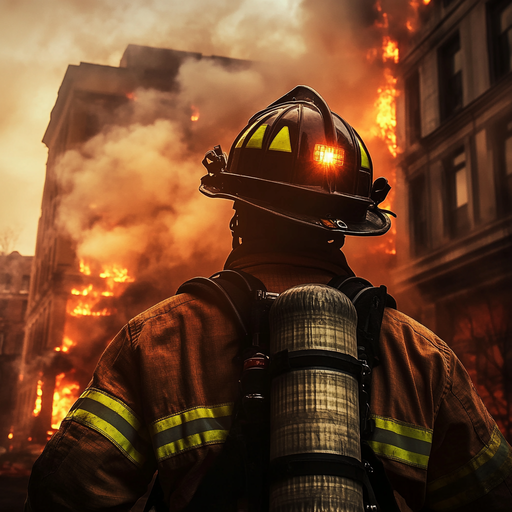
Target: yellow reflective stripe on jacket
column 475, row 479
column 114, row 420
column 190, row 429
column 401, row 441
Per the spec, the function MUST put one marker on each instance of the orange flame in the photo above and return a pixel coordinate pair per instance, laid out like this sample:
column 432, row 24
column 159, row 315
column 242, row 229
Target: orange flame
column 386, row 111
column 39, row 399
column 389, row 50
column 84, row 268
column 64, row 396
column 67, row 343
column 10, row 436
column 117, row 274
column 84, row 309
column 195, row 114
column 84, row 292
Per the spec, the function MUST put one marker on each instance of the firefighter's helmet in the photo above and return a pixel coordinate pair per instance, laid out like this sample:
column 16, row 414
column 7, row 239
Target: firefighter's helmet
column 299, row 160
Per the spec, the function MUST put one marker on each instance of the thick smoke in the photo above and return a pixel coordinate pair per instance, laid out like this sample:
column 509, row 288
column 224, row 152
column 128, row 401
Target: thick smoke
column 131, row 191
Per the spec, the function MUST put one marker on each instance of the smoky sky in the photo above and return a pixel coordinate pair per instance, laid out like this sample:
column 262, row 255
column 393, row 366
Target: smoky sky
column 321, row 43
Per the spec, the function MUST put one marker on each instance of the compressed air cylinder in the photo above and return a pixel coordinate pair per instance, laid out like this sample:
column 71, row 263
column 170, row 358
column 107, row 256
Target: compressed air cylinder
column 314, row 410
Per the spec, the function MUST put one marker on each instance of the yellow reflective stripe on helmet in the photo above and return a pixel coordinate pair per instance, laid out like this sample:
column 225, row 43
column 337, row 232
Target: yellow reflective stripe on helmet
column 242, row 138
column 404, row 442
column 281, row 141
column 190, row 429
column 256, row 140
column 114, row 420
column 481, row 474
column 365, row 159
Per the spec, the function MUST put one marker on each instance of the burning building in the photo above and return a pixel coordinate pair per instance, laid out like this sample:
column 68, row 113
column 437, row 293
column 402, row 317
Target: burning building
column 113, row 205
column 14, row 286
column 455, row 187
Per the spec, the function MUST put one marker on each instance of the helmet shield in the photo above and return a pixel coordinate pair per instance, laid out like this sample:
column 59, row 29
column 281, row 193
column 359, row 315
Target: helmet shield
column 299, row 160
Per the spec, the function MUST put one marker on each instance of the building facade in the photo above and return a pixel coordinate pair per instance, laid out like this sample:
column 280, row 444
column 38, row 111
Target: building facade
column 14, row 287
column 90, row 98
column 455, row 187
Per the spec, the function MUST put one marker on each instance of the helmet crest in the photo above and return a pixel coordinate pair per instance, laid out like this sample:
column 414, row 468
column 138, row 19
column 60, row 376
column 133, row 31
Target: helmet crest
column 299, row 160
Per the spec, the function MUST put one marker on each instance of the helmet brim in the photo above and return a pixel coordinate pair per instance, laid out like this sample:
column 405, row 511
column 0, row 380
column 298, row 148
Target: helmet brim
column 355, row 216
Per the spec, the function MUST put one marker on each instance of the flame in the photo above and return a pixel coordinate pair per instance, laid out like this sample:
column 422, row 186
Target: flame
column 10, row 436
column 195, row 114
column 39, row 399
column 67, row 343
column 131, row 96
column 84, row 268
column 426, row 2
column 117, row 274
column 64, row 396
column 386, row 111
column 84, row 309
column 389, row 50
column 84, row 292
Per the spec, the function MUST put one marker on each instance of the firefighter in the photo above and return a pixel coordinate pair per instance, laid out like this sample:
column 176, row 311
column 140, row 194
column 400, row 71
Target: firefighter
column 161, row 397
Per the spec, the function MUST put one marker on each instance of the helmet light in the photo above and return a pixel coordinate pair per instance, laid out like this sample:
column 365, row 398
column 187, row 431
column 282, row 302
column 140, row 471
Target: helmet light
column 328, row 155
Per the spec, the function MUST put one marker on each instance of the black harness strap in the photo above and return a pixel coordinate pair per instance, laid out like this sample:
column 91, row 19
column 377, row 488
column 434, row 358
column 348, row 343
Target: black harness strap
column 247, row 299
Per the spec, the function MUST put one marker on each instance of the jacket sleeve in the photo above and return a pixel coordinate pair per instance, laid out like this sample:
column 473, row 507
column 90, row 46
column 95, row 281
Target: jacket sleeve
column 470, row 465
column 101, row 457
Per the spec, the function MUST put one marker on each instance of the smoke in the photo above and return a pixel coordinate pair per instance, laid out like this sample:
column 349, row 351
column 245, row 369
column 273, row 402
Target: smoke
column 130, row 193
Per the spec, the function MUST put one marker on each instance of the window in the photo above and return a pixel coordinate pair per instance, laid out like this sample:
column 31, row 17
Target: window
column 503, row 148
column 450, row 77
column 5, row 282
column 25, row 283
column 412, row 98
column 418, row 214
column 457, row 193
column 500, row 37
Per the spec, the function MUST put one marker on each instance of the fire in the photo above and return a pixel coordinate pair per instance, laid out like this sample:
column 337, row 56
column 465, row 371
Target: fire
column 390, row 50
column 67, row 343
column 10, row 436
column 39, row 399
column 117, row 274
column 195, row 114
column 386, row 111
column 64, row 396
column 85, row 269
column 84, row 292
column 84, row 309
column 426, row 2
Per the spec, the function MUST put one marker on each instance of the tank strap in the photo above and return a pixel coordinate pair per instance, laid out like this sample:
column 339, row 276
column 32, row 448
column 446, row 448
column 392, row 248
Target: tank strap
column 247, row 299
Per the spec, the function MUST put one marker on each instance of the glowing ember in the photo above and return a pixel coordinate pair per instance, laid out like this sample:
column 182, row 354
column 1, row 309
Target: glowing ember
column 39, row 399
column 84, row 269
column 426, row 2
column 10, row 436
column 131, row 96
column 67, row 343
column 195, row 114
column 117, row 273
column 64, row 397
column 386, row 111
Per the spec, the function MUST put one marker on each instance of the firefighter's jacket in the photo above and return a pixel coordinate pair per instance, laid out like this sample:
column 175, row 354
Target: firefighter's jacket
column 162, row 396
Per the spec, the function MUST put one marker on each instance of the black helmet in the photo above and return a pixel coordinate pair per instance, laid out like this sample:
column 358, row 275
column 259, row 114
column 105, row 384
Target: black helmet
column 299, row 160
